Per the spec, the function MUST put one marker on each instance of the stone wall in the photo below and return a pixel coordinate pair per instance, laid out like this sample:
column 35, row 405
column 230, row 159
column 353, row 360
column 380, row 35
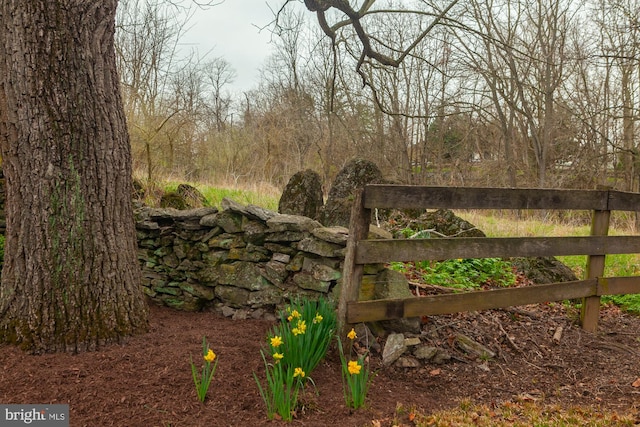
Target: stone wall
column 242, row 257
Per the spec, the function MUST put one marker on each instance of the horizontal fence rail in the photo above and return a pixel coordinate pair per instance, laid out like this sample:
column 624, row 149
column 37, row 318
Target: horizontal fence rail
column 368, row 311
column 378, row 251
column 361, row 251
column 424, row 197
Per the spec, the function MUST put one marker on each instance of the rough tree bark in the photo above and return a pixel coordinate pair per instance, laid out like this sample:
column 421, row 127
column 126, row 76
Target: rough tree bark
column 70, row 281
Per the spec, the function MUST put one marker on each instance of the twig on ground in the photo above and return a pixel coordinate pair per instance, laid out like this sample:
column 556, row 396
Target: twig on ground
column 613, row 346
column 510, row 341
column 516, row 310
column 557, row 335
column 438, row 288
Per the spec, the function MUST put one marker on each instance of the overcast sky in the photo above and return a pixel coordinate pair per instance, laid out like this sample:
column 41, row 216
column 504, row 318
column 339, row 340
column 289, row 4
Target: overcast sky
column 231, row 29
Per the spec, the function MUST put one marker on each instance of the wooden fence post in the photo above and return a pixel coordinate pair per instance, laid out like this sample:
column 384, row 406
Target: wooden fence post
column 352, row 272
column 590, row 312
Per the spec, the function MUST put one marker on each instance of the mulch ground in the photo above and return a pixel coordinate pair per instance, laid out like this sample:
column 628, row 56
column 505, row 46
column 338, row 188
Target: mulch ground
column 147, row 381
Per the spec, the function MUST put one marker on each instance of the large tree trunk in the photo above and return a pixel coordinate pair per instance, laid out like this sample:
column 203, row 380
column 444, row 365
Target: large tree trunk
column 70, row 280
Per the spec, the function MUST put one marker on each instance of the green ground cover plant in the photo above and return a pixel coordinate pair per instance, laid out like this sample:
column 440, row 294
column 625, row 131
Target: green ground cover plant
column 462, row 273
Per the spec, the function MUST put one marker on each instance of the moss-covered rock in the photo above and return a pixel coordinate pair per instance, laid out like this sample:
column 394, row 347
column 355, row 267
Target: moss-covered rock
column 302, row 195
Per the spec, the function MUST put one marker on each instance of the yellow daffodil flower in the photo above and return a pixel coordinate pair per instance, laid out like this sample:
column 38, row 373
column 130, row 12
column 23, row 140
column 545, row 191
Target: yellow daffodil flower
column 298, row 372
column 276, row 341
column 317, row 319
column 353, row 367
column 301, row 328
column 210, row 356
column 294, row 315
column 277, row 356
column 352, row 334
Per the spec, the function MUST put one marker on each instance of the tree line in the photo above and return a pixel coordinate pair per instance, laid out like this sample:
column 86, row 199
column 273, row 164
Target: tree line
column 540, row 93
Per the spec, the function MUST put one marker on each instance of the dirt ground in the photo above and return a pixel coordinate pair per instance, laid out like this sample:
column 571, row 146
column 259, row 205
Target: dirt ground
column 147, row 382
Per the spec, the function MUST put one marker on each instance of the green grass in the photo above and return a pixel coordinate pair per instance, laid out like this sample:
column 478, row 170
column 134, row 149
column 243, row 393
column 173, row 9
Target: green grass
column 245, row 197
column 518, row 413
column 264, row 196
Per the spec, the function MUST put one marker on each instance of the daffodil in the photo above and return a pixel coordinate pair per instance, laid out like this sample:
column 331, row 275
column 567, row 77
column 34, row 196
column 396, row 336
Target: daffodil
column 298, row 372
column 203, row 379
column 301, row 328
column 210, row 356
column 354, row 367
column 276, row 341
column 294, row 315
column 277, row 356
column 352, row 334
column 317, row 319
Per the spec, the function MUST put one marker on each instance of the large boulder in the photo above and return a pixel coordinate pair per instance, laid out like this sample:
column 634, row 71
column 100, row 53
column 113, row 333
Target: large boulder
column 171, row 199
column 302, row 195
column 355, row 174
column 430, row 224
column 543, row 270
column 192, row 196
column 185, row 197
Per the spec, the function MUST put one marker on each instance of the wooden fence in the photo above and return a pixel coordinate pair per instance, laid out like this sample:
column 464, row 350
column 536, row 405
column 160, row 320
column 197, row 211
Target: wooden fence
column 361, row 251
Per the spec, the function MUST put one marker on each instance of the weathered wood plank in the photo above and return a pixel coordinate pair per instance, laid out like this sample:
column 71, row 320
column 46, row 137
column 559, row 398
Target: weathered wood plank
column 375, row 251
column 590, row 310
column 352, row 271
column 624, row 201
column 619, row 285
column 425, row 197
column 368, row 311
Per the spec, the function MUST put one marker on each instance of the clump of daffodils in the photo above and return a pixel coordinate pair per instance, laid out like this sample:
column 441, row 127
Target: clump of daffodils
column 295, row 345
column 306, row 329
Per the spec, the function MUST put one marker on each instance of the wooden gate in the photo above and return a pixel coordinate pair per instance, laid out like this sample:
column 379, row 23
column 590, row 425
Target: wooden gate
column 361, row 251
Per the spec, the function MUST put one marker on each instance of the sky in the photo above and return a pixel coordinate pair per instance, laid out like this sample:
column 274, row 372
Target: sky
column 232, row 30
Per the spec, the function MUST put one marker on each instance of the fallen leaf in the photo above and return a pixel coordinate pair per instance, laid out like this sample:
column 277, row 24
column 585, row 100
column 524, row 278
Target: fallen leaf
column 636, row 383
column 435, row 372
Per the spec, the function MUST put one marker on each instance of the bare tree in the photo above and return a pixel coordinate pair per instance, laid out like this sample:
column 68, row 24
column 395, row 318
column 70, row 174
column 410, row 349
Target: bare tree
column 148, row 59
column 219, row 75
column 620, row 26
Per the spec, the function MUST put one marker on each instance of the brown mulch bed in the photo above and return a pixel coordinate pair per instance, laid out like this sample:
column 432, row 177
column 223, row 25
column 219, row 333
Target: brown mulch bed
column 147, row 382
